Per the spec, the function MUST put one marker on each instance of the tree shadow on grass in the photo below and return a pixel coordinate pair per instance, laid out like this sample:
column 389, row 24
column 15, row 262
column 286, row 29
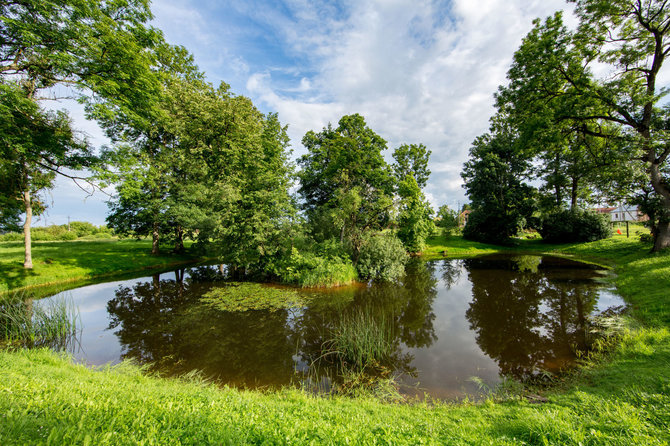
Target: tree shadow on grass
column 14, row 275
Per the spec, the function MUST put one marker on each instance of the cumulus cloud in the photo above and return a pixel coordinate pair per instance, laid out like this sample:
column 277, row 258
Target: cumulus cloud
column 419, row 71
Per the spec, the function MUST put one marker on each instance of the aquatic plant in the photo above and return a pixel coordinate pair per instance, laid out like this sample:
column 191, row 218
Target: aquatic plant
column 361, row 339
column 360, row 358
column 48, row 322
column 244, row 296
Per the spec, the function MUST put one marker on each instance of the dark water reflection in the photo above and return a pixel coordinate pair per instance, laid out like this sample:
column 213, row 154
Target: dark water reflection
column 450, row 320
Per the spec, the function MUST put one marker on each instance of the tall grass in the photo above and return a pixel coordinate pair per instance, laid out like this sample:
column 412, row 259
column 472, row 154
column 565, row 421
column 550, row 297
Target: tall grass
column 361, row 339
column 45, row 323
column 359, row 359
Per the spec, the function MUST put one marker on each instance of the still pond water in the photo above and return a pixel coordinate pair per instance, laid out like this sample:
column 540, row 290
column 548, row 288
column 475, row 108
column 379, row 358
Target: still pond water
column 450, row 320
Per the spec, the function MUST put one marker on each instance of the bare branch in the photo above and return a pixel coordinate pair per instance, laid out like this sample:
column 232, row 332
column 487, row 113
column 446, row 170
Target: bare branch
column 76, row 180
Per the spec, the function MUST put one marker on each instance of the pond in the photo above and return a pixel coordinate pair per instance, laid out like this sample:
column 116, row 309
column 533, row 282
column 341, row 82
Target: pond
column 447, row 322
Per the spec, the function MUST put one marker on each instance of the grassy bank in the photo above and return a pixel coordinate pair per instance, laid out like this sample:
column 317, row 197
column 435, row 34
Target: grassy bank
column 47, row 399
column 68, row 262
column 623, row 398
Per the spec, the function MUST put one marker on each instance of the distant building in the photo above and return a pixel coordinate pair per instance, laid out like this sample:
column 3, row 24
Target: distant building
column 463, row 218
column 623, row 213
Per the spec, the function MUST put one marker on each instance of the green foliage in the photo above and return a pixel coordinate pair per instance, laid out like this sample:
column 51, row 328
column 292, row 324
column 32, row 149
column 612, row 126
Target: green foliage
column 345, row 182
column 489, row 228
column 210, row 166
column 553, row 93
column 36, row 144
column 412, row 160
column 309, row 269
column 382, row 258
column 245, row 296
column 446, row 219
column 566, row 226
column 77, row 230
column 50, row 322
column 646, row 238
column 493, row 176
column 94, row 46
column 415, row 221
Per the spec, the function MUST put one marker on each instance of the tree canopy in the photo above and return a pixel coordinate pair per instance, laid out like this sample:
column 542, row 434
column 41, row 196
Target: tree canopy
column 552, row 84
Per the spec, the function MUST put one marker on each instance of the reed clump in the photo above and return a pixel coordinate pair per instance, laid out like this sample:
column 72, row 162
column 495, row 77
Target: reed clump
column 43, row 323
column 362, row 340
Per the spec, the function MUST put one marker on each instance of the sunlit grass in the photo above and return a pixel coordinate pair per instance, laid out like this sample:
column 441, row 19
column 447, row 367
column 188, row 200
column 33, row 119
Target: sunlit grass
column 72, row 261
column 48, row 399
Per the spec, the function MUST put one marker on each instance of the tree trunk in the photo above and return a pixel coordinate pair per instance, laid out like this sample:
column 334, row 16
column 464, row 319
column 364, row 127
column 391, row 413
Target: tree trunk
column 179, row 244
column 28, row 262
column 155, row 234
column 573, row 193
column 662, row 234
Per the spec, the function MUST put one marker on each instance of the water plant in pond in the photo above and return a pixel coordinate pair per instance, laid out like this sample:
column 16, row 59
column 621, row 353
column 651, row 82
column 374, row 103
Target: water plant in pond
column 364, row 354
column 361, row 339
column 49, row 322
column 244, row 296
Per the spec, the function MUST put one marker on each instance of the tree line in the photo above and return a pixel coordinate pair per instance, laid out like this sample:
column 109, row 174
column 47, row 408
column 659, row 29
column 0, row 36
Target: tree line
column 584, row 138
column 193, row 160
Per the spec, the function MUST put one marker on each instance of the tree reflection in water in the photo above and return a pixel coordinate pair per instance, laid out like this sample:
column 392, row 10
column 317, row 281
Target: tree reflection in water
column 162, row 323
column 525, row 316
column 526, row 313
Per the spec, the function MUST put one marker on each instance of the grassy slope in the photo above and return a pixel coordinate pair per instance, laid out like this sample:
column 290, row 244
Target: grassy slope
column 624, row 400
column 62, row 262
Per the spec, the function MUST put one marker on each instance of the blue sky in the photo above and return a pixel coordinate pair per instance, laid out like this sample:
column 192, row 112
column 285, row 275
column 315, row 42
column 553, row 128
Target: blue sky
column 419, row 71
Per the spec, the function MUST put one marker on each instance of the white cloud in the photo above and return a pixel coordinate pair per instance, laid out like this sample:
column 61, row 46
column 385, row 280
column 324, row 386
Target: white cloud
column 416, row 73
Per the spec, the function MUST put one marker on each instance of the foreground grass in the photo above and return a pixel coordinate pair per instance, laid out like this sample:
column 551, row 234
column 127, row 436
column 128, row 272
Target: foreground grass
column 58, row 263
column 46, row 399
column 623, row 398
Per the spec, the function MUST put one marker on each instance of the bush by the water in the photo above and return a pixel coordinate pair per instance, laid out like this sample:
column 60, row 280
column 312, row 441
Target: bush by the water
column 382, row 258
column 566, row 226
column 309, row 269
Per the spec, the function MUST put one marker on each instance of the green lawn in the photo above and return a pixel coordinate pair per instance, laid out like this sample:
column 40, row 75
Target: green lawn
column 622, row 398
column 71, row 262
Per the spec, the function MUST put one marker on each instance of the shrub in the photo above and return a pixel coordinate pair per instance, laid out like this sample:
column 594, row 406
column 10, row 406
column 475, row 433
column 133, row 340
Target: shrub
column 645, row 237
column 68, row 236
column 490, row 228
column 11, row 237
column 312, row 270
column 83, row 228
column 382, row 257
column 567, row 226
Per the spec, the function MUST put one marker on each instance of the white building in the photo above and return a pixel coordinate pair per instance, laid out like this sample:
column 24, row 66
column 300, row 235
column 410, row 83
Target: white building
column 623, row 213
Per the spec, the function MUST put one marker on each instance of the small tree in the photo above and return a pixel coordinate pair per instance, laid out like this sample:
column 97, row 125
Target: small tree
column 35, row 146
column 446, row 219
column 415, row 221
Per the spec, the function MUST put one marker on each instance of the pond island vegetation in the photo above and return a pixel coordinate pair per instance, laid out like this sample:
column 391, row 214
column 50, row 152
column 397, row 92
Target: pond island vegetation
column 200, row 174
